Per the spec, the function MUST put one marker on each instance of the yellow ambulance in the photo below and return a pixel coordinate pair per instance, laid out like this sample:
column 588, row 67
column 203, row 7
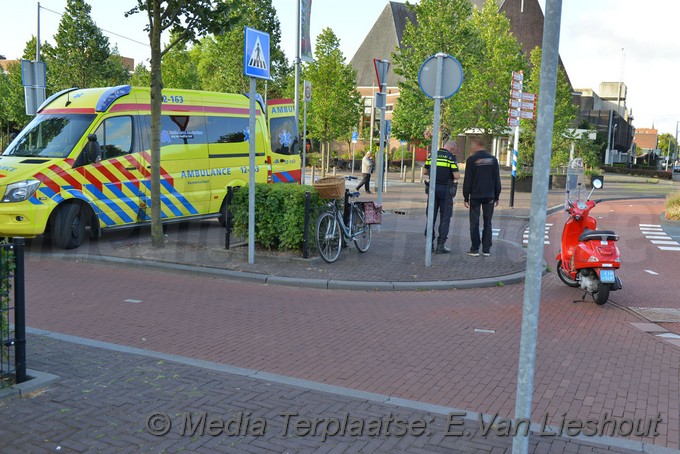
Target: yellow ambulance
column 85, row 160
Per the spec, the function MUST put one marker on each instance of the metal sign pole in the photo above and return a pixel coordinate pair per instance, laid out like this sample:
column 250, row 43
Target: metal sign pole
column 251, row 174
column 539, row 202
column 255, row 65
column 433, row 159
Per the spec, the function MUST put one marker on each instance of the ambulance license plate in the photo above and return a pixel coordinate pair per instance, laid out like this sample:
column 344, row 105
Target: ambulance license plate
column 607, row 276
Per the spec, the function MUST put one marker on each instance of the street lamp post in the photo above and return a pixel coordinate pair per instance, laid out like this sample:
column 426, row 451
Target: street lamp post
column 675, row 156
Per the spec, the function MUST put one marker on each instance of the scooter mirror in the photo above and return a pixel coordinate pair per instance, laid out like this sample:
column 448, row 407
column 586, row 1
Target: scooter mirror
column 597, row 183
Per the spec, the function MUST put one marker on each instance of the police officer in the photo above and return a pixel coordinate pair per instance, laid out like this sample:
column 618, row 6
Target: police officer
column 445, row 190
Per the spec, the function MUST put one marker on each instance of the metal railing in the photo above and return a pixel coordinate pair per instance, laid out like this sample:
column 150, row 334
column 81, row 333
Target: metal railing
column 12, row 301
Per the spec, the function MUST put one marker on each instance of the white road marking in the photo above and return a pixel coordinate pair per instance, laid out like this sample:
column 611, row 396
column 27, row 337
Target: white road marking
column 132, row 301
column 652, row 272
column 546, row 236
column 658, row 237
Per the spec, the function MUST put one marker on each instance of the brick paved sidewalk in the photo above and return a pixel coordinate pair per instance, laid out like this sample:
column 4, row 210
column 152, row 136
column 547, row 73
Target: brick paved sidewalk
column 110, row 400
column 395, row 260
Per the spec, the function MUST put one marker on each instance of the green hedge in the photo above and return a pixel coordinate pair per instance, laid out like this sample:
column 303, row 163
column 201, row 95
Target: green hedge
column 648, row 172
column 279, row 214
column 6, row 271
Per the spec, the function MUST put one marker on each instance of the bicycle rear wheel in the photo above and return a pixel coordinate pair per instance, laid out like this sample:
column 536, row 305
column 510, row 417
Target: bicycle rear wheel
column 361, row 232
column 328, row 237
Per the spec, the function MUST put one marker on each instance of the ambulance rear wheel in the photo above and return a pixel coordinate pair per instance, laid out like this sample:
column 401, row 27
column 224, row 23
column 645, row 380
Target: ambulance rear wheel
column 68, row 229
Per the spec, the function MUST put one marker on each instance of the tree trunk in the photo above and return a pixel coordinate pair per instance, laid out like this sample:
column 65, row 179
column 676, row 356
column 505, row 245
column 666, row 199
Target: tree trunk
column 413, row 162
column 157, row 237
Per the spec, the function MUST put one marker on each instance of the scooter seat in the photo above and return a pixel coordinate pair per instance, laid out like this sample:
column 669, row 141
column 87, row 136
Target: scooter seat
column 602, row 235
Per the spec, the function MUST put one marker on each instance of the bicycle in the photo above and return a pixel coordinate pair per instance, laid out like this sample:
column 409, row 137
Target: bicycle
column 336, row 226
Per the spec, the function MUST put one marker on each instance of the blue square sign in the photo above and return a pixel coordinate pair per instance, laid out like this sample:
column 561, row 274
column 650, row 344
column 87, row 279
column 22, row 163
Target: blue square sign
column 256, row 53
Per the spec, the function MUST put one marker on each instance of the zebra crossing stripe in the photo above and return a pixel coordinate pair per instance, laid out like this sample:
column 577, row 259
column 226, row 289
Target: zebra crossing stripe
column 658, row 237
column 546, row 236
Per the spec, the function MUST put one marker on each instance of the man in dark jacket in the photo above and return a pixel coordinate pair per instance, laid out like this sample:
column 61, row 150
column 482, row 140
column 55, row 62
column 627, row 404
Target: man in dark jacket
column 444, row 192
column 481, row 191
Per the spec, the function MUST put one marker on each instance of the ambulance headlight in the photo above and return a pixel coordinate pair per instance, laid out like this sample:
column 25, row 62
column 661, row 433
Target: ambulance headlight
column 20, row 191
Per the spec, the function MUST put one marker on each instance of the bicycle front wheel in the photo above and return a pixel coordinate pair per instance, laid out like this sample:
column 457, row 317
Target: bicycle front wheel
column 328, row 237
column 361, row 232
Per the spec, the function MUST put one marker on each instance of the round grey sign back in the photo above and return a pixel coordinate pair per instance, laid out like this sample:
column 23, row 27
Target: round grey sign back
column 452, row 76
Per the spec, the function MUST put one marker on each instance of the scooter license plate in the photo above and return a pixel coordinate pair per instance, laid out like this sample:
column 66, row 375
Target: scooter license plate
column 607, row 276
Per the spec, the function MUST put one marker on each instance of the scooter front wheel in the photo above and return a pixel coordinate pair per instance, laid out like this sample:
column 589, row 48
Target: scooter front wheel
column 564, row 276
column 602, row 294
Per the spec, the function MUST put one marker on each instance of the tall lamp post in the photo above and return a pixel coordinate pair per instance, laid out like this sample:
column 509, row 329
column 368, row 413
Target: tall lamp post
column 675, row 156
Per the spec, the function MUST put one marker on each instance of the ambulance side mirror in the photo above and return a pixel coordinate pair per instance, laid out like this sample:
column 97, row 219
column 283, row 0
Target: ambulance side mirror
column 92, row 149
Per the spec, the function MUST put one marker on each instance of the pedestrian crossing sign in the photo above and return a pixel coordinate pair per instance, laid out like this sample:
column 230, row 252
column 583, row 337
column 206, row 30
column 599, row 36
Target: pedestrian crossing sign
column 256, row 53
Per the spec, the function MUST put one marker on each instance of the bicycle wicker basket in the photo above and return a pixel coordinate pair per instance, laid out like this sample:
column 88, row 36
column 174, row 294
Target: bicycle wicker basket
column 330, row 187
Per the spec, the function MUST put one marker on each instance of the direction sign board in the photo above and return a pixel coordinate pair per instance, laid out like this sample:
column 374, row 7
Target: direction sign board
column 513, row 122
column 517, row 76
column 528, row 97
column 527, row 114
column 256, row 53
column 355, row 136
column 516, row 85
column 527, row 106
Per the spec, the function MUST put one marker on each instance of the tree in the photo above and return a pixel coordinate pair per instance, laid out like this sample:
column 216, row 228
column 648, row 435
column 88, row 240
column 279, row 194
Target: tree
column 186, row 19
column 667, row 144
column 141, row 76
column 336, row 105
column 442, row 27
column 565, row 116
column 81, row 56
column 179, row 68
column 483, row 100
column 12, row 104
column 220, row 68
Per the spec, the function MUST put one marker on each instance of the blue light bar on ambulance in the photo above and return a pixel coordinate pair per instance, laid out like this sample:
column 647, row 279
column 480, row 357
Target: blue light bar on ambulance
column 110, row 96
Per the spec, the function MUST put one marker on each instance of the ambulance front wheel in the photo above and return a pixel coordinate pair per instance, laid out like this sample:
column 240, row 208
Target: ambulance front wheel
column 68, row 229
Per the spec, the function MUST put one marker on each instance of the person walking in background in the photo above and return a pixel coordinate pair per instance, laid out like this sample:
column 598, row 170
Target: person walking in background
column 444, row 192
column 481, row 191
column 366, row 169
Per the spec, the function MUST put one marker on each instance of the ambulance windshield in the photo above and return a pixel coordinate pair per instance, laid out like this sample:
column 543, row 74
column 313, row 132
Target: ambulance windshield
column 50, row 136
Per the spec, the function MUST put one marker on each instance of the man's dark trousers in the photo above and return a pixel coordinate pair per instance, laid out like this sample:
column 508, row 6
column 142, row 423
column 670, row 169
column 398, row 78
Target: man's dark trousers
column 443, row 204
column 486, row 207
column 365, row 182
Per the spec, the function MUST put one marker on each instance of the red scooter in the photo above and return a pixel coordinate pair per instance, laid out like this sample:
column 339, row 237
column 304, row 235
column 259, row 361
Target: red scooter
column 589, row 257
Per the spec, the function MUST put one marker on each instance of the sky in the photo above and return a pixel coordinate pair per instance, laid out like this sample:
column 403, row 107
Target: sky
column 600, row 41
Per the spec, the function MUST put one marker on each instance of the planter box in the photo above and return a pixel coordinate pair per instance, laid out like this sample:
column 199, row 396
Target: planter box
column 589, row 180
column 559, row 181
column 524, row 184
